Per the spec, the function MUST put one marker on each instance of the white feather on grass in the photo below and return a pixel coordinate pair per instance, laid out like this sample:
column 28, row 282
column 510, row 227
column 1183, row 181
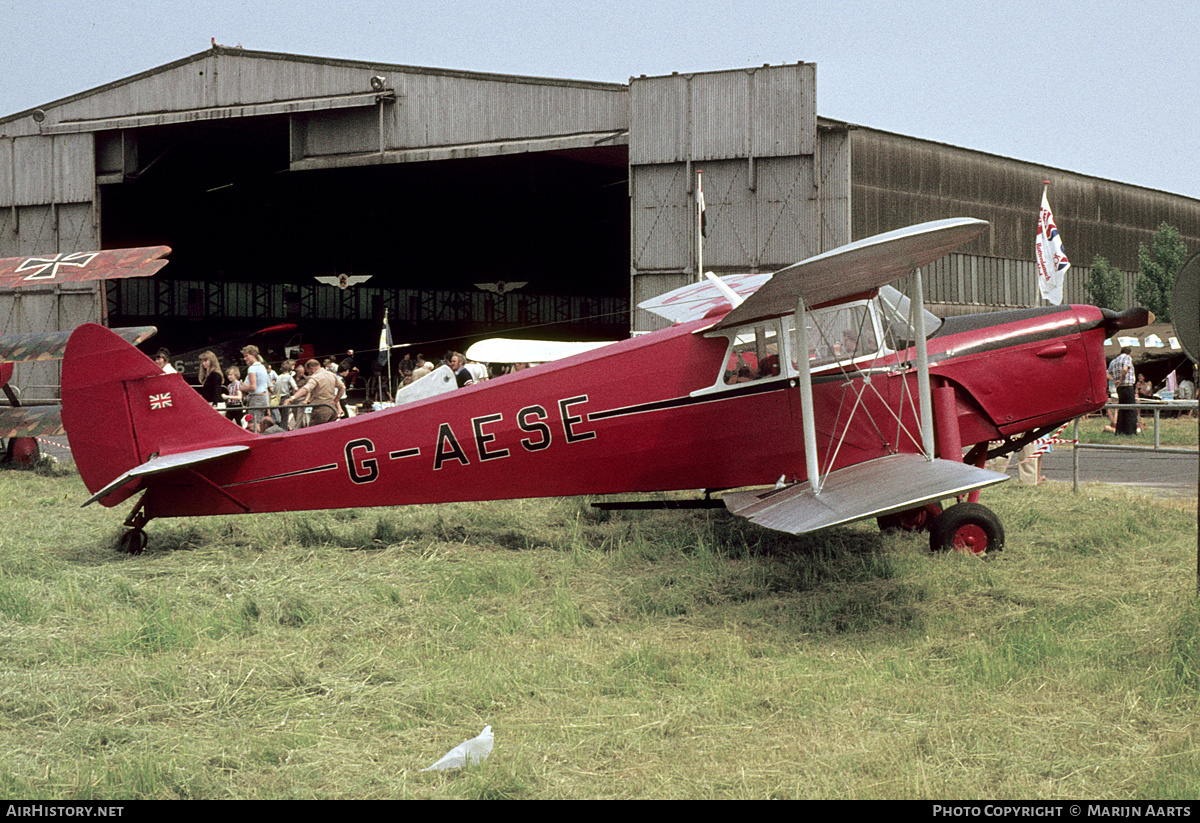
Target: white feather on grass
column 474, row 750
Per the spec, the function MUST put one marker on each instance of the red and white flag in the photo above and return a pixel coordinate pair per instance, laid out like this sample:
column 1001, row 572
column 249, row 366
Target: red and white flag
column 1052, row 262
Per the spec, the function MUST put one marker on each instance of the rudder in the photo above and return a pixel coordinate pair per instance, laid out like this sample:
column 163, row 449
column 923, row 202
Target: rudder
column 119, row 410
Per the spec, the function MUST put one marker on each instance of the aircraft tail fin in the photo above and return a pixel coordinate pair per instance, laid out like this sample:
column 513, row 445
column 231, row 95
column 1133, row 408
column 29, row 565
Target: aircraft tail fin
column 120, row 411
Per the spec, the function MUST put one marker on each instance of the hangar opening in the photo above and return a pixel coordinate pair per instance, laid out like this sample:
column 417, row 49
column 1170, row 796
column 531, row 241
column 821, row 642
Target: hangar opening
column 250, row 234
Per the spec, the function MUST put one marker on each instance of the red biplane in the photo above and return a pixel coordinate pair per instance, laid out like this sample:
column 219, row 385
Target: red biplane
column 820, row 382
column 23, row 423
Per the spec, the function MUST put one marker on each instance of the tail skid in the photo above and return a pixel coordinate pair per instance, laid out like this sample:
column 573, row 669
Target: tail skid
column 121, row 413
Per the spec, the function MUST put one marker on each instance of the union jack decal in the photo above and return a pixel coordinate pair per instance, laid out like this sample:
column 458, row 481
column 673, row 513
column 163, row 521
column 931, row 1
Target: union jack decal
column 160, row 401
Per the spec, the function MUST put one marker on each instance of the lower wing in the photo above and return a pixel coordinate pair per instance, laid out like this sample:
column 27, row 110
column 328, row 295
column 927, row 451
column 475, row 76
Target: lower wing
column 875, row 488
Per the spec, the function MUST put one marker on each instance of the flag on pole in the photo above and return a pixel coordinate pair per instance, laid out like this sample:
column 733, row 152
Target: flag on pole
column 700, row 204
column 1052, row 262
column 385, row 341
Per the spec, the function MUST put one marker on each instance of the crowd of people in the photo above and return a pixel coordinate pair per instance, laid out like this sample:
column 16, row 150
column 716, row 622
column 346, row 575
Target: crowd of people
column 311, row 393
column 266, row 401
column 466, row 372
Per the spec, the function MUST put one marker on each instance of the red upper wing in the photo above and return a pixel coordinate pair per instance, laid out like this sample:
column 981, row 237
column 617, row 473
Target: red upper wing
column 73, row 267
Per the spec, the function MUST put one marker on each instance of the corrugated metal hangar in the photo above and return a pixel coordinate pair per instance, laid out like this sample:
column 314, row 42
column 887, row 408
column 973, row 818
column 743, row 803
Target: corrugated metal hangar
column 265, row 170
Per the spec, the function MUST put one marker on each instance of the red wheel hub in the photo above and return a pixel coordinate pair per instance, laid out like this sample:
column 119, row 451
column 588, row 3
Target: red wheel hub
column 970, row 538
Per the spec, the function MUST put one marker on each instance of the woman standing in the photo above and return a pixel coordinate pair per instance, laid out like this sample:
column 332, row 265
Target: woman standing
column 210, row 377
column 255, row 391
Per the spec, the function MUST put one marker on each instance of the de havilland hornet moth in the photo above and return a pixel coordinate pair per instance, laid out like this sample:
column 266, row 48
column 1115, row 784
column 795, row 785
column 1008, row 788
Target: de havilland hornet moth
column 21, row 424
column 820, row 382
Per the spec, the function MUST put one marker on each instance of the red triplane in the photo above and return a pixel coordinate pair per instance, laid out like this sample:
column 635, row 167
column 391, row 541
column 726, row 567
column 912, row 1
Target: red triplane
column 22, row 424
column 821, row 383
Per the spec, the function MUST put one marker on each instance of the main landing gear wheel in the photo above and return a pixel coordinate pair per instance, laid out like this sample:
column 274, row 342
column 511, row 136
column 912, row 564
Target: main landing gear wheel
column 967, row 527
column 913, row 520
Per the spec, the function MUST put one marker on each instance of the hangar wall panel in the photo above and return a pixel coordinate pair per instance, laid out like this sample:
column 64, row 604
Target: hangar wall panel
column 470, row 114
column 33, row 157
column 789, row 211
column 663, row 215
column 833, row 153
column 967, row 283
column 29, row 230
column 218, row 78
column 898, row 181
column 766, row 112
column 7, row 174
column 353, row 131
column 438, row 110
column 753, row 134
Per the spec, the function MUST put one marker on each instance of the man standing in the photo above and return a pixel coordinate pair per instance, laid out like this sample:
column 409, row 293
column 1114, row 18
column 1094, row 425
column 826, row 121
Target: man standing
column 285, row 386
column 320, row 390
column 1122, row 373
column 256, row 388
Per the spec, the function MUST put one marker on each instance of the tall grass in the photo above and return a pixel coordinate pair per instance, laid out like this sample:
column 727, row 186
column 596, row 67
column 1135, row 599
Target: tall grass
column 648, row 654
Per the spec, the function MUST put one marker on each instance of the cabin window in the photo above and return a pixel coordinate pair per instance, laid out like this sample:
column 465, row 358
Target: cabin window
column 754, row 354
column 835, row 333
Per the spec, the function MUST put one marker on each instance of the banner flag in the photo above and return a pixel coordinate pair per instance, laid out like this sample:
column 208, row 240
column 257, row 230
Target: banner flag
column 385, row 341
column 1052, row 262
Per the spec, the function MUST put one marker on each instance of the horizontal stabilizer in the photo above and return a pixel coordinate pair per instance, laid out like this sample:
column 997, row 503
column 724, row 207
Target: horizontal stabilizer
column 506, row 350
column 887, row 485
column 81, row 266
column 854, row 268
column 166, row 463
column 51, row 345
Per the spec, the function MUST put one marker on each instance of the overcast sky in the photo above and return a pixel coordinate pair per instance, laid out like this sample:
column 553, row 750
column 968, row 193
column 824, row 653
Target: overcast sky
column 1098, row 87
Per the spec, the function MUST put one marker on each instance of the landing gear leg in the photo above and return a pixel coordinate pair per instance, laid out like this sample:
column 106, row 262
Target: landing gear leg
column 913, row 520
column 134, row 540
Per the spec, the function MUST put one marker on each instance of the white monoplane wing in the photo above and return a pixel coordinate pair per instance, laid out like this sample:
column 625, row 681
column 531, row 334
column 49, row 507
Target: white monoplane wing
column 506, row 350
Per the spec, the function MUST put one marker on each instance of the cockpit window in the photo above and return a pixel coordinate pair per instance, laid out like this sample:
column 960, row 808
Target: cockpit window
column 754, row 354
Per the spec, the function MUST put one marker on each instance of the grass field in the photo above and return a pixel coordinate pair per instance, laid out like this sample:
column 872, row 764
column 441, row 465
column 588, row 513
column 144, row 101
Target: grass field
column 650, row 655
column 1175, row 432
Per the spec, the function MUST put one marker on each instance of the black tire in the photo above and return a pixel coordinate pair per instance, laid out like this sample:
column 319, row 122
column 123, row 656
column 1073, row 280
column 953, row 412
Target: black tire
column 913, row 520
column 967, row 527
column 133, row 541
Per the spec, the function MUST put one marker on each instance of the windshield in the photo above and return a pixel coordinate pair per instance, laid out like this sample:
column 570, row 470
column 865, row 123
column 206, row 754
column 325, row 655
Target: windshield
column 895, row 309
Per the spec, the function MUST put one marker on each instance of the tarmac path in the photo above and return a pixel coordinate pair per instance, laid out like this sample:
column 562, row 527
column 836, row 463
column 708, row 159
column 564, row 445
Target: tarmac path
column 1155, row 472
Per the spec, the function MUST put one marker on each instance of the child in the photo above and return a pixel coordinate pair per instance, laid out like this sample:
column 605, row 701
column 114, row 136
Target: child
column 234, row 390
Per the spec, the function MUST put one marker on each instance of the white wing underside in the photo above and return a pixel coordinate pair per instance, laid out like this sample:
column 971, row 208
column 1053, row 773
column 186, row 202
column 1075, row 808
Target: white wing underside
column 875, row 488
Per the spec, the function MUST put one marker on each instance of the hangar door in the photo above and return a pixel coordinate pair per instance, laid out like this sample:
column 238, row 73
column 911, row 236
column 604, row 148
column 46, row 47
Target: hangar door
column 753, row 134
column 46, row 191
